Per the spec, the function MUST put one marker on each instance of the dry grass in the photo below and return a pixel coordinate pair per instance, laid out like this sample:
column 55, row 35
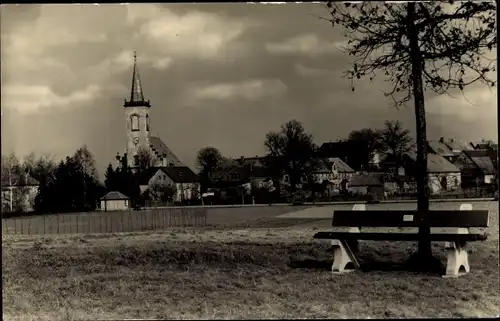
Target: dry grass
column 239, row 273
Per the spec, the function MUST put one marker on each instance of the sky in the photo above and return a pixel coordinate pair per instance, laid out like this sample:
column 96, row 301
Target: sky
column 220, row 75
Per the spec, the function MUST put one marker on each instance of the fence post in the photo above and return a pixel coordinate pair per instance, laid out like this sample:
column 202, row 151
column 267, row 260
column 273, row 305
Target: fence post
column 129, row 226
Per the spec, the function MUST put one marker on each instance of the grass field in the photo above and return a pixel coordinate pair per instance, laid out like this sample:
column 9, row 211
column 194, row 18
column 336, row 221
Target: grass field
column 263, row 267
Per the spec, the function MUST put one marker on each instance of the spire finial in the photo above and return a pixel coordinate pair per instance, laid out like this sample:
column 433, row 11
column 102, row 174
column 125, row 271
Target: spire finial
column 136, row 93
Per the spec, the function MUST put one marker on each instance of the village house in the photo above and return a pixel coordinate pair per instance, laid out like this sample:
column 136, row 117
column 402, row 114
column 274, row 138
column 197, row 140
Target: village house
column 333, row 172
column 182, row 180
column 476, row 167
column 250, row 173
column 442, row 174
column 367, row 184
column 19, row 192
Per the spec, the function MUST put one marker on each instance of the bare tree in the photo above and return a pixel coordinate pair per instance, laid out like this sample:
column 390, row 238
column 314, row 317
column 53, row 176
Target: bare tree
column 395, row 141
column 419, row 46
column 143, row 159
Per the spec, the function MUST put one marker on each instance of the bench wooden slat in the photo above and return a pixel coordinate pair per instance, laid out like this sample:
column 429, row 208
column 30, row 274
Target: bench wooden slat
column 409, row 218
column 374, row 236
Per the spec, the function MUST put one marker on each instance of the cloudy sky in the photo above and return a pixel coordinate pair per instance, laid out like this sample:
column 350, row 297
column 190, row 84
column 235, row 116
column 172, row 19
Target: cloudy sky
column 217, row 75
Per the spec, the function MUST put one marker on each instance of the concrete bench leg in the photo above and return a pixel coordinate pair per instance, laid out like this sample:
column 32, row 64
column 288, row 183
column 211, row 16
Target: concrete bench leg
column 342, row 256
column 456, row 259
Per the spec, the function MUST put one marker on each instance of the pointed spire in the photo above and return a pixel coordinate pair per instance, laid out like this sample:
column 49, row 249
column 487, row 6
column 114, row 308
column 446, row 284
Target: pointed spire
column 136, row 93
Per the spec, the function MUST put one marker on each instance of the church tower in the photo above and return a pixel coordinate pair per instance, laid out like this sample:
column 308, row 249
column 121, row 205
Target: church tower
column 136, row 118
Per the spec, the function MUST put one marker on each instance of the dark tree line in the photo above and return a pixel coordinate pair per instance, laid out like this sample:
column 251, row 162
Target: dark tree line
column 72, row 186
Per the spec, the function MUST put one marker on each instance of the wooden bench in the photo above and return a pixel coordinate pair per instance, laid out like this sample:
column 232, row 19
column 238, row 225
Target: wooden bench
column 452, row 227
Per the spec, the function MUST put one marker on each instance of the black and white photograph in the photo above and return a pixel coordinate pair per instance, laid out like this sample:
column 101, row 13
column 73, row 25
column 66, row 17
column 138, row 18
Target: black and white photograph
column 249, row 160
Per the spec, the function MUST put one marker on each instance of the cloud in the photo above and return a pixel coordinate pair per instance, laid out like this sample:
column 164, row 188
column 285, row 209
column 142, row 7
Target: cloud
column 31, row 99
column 312, row 72
column 249, row 90
column 305, row 44
column 193, row 34
column 476, row 103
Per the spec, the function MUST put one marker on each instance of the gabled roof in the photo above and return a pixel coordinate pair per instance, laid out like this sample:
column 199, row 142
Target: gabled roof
column 181, row 174
column 436, row 163
column 178, row 174
column 457, row 144
column 162, row 150
column 440, row 148
column 342, row 167
column 144, row 176
column 114, row 195
column 482, row 160
column 18, row 180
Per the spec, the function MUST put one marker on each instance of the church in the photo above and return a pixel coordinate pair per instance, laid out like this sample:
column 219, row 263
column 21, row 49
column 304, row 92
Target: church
column 165, row 167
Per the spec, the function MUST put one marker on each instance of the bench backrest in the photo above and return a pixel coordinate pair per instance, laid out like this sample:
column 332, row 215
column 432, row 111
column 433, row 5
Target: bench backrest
column 409, row 218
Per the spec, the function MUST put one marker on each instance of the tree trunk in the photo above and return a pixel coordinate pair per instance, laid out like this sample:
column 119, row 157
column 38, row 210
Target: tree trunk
column 424, row 242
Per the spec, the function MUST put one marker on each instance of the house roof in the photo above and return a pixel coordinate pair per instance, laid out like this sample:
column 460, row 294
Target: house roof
column 482, row 158
column 341, row 165
column 176, row 173
column 436, row 163
column 181, row 174
column 457, row 144
column 440, row 148
column 162, row 150
column 18, row 180
column 114, row 195
column 369, row 179
column 485, row 144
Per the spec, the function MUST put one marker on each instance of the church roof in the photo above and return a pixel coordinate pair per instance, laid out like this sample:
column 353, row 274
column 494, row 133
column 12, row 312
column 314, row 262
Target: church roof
column 136, row 92
column 162, row 150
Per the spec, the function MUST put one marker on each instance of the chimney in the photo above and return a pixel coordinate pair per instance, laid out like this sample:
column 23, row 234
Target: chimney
column 441, row 140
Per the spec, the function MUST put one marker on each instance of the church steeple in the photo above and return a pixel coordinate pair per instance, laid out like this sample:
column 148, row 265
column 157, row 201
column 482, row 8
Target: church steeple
column 136, row 93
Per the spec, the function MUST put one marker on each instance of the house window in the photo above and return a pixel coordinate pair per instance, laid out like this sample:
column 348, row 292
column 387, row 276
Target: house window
column 147, row 122
column 134, row 122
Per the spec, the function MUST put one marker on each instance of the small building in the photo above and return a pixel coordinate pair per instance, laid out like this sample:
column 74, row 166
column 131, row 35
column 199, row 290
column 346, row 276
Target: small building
column 114, row 201
column 367, row 184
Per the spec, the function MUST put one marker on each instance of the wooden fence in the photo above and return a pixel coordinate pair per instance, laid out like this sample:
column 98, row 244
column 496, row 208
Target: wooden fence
column 104, row 222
